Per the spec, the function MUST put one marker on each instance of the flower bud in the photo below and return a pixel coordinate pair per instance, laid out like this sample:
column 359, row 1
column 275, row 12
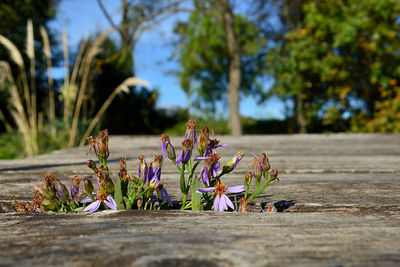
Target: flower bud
column 247, row 178
column 100, row 145
column 109, row 186
column 273, row 175
column 265, row 163
column 167, row 148
column 203, row 140
column 91, row 164
column 151, row 190
column 62, row 192
column 191, row 132
column 88, row 186
column 48, row 194
column 142, row 169
column 231, row 165
column 257, row 168
column 139, row 203
column 49, row 204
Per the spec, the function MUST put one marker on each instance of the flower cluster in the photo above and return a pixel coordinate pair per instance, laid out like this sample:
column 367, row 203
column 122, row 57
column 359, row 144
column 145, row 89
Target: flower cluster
column 146, row 190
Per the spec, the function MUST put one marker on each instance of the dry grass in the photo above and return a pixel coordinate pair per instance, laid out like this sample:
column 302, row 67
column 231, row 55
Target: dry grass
column 73, row 91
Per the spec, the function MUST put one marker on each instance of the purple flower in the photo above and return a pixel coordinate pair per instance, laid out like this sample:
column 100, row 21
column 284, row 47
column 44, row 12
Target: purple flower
column 163, row 193
column 184, row 156
column 142, row 169
column 212, row 146
column 154, row 170
column 210, row 168
column 167, row 150
column 74, row 187
column 101, row 197
column 191, row 132
column 221, row 201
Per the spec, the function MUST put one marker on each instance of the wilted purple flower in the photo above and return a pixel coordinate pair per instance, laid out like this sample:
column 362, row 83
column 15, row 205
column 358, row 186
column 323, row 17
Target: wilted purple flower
column 101, row 197
column 210, row 168
column 167, row 150
column 212, row 145
column 221, row 201
column 184, row 156
column 203, row 140
column 62, row 192
column 142, row 169
column 100, row 145
column 74, row 187
column 154, row 170
column 191, row 132
column 163, row 193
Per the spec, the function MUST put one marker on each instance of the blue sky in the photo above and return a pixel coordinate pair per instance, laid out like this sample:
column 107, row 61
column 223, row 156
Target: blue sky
column 84, row 17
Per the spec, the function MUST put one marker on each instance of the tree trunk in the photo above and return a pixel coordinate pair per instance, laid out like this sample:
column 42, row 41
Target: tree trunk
column 300, row 119
column 234, row 122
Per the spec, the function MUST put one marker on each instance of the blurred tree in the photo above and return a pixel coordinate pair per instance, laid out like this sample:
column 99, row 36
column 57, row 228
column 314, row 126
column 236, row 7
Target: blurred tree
column 135, row 112
column 343, row 61
column 137, row 16
column 14, row 16
column 220, row 54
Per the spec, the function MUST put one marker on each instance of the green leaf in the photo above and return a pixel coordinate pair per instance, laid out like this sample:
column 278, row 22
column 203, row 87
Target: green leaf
column 127, row 203
column 196, row 197
column 118, row 195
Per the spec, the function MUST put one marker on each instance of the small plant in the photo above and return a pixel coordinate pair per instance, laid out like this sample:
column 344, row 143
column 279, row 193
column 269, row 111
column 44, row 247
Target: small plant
column 146, row 191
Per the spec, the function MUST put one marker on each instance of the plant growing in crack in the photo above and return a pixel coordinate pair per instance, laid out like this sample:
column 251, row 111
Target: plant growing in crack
column 146, row 191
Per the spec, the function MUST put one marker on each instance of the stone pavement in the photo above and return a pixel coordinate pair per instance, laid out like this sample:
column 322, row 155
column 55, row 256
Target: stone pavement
column 340, row 194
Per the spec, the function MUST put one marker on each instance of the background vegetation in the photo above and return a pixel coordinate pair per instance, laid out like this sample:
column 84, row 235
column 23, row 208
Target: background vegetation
column 335, row 65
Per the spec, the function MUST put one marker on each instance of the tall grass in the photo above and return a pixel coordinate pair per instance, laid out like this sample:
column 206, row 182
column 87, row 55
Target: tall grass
column 23, row 108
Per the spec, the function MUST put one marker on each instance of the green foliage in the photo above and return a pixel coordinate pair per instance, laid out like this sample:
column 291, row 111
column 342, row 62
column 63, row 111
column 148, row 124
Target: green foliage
column 344, row 52
column 203, row 56
column 11, row 146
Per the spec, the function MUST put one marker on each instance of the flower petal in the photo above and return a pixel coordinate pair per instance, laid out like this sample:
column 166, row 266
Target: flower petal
column 205, row 177
column 229, row 202
column 200, row 158
column 216, row 203
column 222, row 203
column 205, row 190
column 93, row 207
column 110, row 202
column 86, row 200
column 164, row 193
column 235, row 189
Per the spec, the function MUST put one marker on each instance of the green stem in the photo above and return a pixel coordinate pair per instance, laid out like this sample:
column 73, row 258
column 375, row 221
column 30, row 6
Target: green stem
column 184, row 201
column 235, row 203
column 191, row 175
column 104, row 163
column 247, row 191
column 182, row 180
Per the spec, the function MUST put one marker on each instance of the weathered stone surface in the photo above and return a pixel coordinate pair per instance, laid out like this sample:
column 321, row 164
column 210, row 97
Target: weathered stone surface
column 340, row 195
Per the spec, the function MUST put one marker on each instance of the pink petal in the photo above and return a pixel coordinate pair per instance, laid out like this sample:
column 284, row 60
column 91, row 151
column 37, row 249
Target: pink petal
column 229, row 202
column 93, row 207
column 205, row 190
column 235, row 189
column 222, row 203
column 216, row 203
column 110, row 202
